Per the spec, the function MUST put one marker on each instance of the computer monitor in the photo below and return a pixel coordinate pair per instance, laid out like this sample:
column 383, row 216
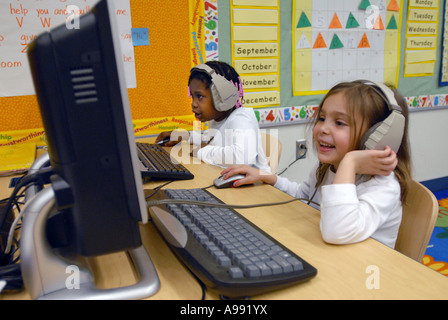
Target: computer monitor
column 79, row 81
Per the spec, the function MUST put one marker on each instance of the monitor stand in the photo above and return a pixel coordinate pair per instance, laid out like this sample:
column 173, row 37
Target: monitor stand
column 47, row 275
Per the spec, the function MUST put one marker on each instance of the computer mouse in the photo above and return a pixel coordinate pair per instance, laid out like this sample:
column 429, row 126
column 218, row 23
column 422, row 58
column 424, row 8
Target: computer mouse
column 220, row 182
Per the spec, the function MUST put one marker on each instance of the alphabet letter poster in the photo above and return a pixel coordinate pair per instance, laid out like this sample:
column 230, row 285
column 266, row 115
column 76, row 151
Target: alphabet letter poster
column 23, row 20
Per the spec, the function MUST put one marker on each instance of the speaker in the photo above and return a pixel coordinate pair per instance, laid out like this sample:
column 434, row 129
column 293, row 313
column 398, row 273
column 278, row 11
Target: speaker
column 388, row 132
column 224, row 92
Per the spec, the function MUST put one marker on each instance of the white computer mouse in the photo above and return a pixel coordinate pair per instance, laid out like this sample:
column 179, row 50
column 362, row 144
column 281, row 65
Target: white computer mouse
column 220, row 182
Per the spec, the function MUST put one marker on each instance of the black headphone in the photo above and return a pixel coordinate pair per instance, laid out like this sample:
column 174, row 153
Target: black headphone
column 224, row 93
column 388, row 132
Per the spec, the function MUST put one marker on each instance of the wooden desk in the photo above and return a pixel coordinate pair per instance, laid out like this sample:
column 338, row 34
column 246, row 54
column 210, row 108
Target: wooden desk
column 344, row 271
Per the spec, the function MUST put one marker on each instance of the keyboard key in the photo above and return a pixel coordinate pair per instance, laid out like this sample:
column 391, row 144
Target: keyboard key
column 236, row 273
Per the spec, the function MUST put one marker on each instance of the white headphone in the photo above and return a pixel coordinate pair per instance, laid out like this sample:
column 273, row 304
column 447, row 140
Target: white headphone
column 388, row 132
column 224, row 93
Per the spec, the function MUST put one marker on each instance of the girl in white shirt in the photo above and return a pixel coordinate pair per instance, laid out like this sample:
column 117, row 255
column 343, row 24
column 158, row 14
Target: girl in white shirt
column 233, row 136
column 360, row 192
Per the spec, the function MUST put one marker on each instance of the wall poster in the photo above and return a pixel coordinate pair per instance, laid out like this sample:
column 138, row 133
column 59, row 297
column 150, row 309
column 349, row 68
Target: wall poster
column 344, row 40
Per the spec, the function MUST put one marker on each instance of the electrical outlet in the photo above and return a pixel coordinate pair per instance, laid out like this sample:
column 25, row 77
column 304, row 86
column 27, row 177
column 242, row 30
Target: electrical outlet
column 301, row 149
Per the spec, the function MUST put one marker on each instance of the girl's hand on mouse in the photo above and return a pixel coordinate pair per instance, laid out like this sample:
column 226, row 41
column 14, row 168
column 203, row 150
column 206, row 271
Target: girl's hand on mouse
column 252, row 175
column 163, row 135
column 176, row 137
column 370, row 162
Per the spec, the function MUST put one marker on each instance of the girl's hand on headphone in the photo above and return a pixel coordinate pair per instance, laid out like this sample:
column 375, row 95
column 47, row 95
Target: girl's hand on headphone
column 370, row 162
column 377, row 162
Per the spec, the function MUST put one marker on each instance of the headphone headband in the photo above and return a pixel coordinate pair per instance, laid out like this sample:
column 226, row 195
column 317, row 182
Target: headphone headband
column 386, row 93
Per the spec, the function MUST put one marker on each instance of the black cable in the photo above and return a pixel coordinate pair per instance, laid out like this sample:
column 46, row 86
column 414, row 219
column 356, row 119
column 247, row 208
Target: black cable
column 12, row 275
column 151, row 203
column 41, row 177
column 157, row 189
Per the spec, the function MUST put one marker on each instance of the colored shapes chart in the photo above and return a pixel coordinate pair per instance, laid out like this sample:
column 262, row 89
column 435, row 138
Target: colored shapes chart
column 344, row 40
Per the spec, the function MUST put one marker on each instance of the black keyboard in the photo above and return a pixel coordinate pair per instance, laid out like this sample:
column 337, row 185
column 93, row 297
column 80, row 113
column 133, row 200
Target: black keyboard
column 223, row 249
column 157, row 163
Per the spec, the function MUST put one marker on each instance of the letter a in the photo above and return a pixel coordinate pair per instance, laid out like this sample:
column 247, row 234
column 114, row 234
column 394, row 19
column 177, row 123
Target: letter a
column 72, row 20
column 72, row 281
column 373, row 280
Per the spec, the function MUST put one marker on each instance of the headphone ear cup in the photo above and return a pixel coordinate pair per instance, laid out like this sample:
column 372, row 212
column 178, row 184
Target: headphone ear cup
column 224, row 93
column 388, row 132
column 367, row 135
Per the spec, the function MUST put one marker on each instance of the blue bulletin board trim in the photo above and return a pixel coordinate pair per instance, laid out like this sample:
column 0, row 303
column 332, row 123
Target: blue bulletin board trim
column 444, row 49
column 277, row 116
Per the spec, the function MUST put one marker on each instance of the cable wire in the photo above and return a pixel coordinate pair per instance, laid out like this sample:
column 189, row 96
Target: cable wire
column 223, row 205
column 301, row 157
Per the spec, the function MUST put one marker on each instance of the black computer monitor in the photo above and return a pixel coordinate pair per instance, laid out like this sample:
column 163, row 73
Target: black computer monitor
column 80, row 86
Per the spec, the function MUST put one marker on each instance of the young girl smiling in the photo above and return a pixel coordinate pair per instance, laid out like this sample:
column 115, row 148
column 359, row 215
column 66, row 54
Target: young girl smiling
column 360, row 192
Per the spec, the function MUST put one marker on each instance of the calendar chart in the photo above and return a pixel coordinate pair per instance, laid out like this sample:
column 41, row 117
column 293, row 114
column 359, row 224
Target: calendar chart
column 344, row 40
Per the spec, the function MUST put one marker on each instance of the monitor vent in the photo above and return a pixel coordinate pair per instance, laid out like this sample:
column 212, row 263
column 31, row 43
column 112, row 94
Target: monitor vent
column 84, row 87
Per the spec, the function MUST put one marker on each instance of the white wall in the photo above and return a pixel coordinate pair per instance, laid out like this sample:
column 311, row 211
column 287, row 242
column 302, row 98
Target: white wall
column 428, row 131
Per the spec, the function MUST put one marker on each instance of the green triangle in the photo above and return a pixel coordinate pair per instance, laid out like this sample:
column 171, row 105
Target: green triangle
column 303, row 21
column 336, row 43
column 392, row 23
column 364, row 4
column 352, row 22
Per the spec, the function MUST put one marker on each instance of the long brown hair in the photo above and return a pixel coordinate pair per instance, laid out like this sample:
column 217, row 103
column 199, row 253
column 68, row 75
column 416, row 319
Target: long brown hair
column 364, row 100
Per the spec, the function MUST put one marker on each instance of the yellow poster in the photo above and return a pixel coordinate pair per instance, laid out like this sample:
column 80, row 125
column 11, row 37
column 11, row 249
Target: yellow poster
column 421, row 38
column 197, row 46
column 333, row 43
column 154, row 126
column 16, row 158
column 255, row 31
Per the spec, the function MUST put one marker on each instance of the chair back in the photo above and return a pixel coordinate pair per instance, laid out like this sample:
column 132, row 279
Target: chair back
column 420, row 213
column 273, row 149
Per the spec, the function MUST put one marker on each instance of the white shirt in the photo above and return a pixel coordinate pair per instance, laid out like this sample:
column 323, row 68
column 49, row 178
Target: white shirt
column 235, row 140
column 353, row 212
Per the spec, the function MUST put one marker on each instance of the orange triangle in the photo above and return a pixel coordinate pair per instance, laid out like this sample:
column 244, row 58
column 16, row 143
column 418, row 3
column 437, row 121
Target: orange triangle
column 393, row 6
column 378, row 25
column 335, row 23
column 320, row 42
column 364, row 43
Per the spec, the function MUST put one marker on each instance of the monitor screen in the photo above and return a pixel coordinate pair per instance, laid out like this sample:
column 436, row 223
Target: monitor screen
column 80, row 86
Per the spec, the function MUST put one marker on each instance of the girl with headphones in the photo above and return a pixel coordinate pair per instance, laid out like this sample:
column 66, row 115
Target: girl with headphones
column 234, row 135
column 360, row 182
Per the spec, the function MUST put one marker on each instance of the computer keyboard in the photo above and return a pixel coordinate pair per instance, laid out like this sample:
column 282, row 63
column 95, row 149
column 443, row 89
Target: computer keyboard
column 223, row 249
column 157, row 163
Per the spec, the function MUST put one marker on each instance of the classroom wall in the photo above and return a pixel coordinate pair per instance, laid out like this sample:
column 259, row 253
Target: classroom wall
column 427, row 128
